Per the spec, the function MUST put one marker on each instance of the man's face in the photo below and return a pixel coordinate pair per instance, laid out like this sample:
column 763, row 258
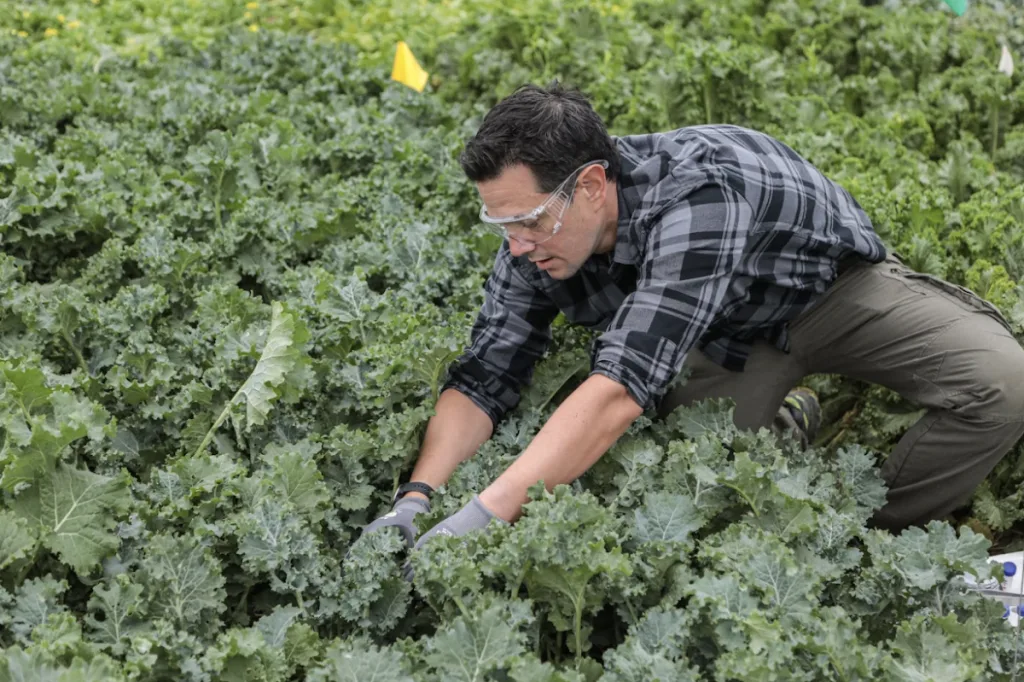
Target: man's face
column 515, row 192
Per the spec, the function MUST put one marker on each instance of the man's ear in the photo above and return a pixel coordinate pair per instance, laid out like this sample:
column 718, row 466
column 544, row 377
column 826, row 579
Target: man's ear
column 595, row 184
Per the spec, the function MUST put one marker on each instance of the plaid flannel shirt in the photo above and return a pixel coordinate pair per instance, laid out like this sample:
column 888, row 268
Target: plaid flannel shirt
column 724, row 236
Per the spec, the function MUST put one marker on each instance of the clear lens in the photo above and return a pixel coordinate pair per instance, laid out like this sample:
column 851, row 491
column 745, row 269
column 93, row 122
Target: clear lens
column 523, row 235
column 556, row 205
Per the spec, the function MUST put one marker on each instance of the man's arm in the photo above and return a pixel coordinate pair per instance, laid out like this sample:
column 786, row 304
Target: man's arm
column 582, row 429
column 510, row 333
column 455, row 432
column 684, row 280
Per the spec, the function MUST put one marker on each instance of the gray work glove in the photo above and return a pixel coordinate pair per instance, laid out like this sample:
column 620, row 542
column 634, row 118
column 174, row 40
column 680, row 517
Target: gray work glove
column 401, row 517
column 471, row 517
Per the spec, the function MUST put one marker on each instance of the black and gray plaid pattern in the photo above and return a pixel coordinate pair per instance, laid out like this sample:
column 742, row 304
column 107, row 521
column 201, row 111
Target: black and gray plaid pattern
column 724, row 236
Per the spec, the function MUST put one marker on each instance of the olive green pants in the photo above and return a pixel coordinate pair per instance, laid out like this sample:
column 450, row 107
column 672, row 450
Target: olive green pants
column 933, row 342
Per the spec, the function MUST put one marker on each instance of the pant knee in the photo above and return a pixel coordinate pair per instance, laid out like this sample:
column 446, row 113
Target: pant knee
column 999, row 388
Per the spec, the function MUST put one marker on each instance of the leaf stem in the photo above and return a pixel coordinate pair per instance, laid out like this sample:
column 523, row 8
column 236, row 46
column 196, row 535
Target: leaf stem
column 30, row 562
column 578, row 624
column 541, row 617
column 462, row 608
column 519, row 579
column 836, row 666
column 632, row 610
column 216, row 198
column 216, row 425
column 745, row 498
column 242, row 603
column 78, row 353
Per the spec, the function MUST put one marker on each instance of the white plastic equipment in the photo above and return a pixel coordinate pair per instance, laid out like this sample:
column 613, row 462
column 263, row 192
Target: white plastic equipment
column 1010, row 590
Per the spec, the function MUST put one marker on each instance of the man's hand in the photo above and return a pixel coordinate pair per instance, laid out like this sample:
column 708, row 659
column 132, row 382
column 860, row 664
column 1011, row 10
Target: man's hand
column 471, row 517
column 401, row 517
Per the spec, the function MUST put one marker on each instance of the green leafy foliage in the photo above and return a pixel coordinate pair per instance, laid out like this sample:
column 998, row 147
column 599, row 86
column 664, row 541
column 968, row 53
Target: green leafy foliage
column 75, row 512
column 238, row 261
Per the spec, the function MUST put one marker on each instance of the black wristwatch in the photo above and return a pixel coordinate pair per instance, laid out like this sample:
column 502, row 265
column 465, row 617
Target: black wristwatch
column 410, row 487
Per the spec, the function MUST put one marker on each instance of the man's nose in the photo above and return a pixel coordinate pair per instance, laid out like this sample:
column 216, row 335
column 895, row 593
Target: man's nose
column 518, row 248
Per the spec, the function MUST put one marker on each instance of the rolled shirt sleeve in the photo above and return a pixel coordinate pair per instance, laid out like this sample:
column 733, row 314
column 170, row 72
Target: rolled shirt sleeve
column 690, row 257
column 510, row 334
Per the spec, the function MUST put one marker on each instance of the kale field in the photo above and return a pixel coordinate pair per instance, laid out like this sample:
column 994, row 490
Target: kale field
column 237, row 260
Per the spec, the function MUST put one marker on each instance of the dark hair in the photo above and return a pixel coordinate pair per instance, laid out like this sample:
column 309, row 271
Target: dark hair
column 553, row 131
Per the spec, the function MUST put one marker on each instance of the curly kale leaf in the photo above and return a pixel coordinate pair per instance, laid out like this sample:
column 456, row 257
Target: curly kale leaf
column 473, row 645
column 76, row 512
column 371, row 592
column 116, row 614
column 183, row 580
column 359, row 660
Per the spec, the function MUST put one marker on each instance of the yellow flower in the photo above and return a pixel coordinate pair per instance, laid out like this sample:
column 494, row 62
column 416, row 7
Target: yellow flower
column 25, row 14
column 95, row 2
column 23, row 34
column 50, row 32
column 60, row 18
column 74, row 24
column 252, row 5
column 247, row 15
column 254, row 28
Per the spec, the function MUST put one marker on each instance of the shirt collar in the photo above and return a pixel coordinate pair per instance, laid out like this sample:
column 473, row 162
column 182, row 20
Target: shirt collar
column 626, row 250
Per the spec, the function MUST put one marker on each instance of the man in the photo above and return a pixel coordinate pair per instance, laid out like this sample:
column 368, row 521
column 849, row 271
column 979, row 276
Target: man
column 715, row 248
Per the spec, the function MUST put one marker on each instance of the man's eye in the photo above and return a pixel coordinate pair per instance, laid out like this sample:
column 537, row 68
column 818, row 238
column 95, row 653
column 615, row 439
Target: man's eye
column 530, row 224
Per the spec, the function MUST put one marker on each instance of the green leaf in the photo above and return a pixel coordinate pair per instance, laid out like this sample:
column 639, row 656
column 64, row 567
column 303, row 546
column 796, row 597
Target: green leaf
column 72, row 418
column 35, row 600
column 182, row 579
column 371, row 592
column 711, row 416
column 121, row 606
column 296, row 478
column 471, row 647
column 666, row 517
column 349, row 303
column 788, row 585
column 241, row 655
column 566, row 549
column 858, row 474
column 662, row 631
column 922, row 654
column 26, row 388
column 552, row 374
column 929, row 556
column 77, row 511
column 281, row 354
column 632, row 663
column 17, row 665
column 274, row 540
column 632, row 466
column 275, row 626
column 528, row 668
column 16, row 538
column 433, row 365
column 360, row 661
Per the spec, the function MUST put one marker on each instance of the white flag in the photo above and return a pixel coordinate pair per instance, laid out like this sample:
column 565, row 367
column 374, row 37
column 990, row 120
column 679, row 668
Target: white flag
column 1006, row 62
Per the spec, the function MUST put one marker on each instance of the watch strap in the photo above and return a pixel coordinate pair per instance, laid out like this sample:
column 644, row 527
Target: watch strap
column 412, row 486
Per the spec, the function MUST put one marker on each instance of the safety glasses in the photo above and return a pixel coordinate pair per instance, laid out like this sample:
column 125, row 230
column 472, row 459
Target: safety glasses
column 527, row 227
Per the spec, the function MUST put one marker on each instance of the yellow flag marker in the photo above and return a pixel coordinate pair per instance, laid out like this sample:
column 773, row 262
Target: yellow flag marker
column 1006, row 62
column 407, row 70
